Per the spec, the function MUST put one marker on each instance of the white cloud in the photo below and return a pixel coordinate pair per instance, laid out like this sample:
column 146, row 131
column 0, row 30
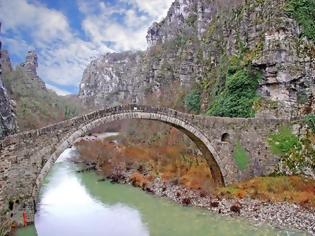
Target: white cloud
column 129, row 31
column 57, row 90
column 62, row 53
column 155, row 8
column 41, row 23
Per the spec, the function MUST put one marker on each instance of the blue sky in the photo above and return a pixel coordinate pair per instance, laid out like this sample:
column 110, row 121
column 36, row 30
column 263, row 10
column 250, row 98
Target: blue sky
column 68, row 34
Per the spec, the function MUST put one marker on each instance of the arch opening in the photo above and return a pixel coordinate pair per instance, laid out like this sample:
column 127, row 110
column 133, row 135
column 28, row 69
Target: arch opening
column 225, row 137
column 201, row 141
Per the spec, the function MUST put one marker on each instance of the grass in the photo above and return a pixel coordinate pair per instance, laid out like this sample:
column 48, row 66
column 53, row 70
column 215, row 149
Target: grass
column 241, row 157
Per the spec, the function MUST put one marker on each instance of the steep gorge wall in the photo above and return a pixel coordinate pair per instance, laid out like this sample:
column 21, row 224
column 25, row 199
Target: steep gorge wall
column 7, row 116
column 197, row 43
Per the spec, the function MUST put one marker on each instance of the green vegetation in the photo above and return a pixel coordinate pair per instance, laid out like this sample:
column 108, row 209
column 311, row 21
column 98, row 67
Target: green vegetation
column 191, row 20
column 241, row 157
column 192, row 100
column 283, row 142
column 303, row 11
column 36, row 106
column 310, row 121
column 297, row 154
column 238, row 95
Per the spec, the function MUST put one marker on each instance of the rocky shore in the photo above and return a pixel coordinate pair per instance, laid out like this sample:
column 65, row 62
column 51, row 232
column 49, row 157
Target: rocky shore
column 280, row 215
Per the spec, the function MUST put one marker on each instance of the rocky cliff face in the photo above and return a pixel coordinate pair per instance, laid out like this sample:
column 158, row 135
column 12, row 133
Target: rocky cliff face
column 7, row 116
column 198, row 42
column 36, row 106
column 30, row 68
column 111, row 79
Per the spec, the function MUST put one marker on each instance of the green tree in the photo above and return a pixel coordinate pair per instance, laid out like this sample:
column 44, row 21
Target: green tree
column 192, row 101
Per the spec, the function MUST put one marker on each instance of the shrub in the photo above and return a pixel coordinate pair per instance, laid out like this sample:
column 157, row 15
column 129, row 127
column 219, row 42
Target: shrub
column 310, row 121
column 192, row 101
column 238, row 95
column 284, row 141
column 303, row 12
column 241, row 157
column 297, row 155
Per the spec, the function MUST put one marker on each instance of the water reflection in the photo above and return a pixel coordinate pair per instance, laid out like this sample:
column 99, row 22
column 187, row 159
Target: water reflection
column 76, row 204
column 67, row 208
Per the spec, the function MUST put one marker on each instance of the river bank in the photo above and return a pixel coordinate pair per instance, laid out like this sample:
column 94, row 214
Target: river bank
column 79, row 203
column 165, row 175
column 280, row 215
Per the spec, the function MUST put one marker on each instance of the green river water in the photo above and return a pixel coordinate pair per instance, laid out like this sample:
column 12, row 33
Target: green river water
column 76, row 204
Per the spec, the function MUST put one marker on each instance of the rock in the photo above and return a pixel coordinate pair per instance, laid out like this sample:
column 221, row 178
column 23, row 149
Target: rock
column 214, row 204
column 186, row 47
column 30, row 68
column 8, row 123
column 186, row 201
column 118, row 178
column 149, row 190
column 203, row 194
column 6, row 65
column 236, row 208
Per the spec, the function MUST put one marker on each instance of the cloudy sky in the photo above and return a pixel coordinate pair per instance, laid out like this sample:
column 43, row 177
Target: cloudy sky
column 67, row 34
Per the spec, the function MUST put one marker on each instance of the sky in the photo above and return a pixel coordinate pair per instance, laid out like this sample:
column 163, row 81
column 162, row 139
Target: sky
column 68, row 34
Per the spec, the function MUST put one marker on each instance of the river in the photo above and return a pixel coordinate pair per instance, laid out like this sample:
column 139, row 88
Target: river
column 76, row 204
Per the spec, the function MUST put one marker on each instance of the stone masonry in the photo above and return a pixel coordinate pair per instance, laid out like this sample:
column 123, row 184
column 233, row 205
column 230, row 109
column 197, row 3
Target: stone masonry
column 26, row 158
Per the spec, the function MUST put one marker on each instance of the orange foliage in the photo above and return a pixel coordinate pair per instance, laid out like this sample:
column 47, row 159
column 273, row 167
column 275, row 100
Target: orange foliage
column 167, row 162
column 139, row 180
column 294, row 189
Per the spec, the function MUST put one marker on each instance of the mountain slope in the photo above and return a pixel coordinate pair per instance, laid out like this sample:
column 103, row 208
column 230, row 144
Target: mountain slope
column 36, row 106
column 205, row 47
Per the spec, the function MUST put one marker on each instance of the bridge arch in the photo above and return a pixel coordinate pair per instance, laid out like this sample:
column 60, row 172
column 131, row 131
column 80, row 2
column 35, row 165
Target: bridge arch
column 167, row 116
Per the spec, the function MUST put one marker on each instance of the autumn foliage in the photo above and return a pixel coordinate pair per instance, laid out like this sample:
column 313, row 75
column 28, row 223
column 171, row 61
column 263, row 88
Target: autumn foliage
column 171, row 163
column 294, row 189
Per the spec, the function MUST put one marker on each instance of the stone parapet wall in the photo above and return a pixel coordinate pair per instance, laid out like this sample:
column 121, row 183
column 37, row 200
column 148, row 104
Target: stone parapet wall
column 26, row 158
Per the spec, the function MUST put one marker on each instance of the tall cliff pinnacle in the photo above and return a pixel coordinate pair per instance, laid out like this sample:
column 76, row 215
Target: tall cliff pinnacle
column 30, row 67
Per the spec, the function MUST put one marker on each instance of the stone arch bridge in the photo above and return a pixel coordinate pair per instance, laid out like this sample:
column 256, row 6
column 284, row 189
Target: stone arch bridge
column 26, row 158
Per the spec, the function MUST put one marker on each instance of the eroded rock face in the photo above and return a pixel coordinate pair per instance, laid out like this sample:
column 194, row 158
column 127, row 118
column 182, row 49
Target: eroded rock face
column 7, row 116
column 6, row 65
column 181, row 14
column 196, row 40
column 30, row 67
column 112, row 80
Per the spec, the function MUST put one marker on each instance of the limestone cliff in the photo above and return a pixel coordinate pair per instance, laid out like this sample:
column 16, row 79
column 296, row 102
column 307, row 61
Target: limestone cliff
column 30, row 68
column 199, row 45
column 7, row 116
column 111, row 79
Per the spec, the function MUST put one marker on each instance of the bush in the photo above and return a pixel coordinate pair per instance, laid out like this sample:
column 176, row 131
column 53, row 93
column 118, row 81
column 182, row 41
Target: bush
column 238, row 95
column 192, row 101
column 284, row 141
column 297, row 155
column 303, row 11
column 241, row 157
